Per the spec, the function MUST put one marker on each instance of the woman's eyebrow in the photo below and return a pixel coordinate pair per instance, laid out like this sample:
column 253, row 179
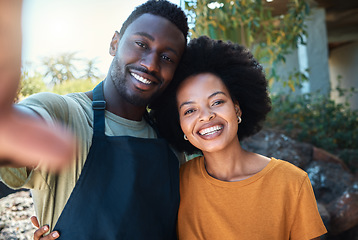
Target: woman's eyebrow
column 185, row 103
column 216, row 93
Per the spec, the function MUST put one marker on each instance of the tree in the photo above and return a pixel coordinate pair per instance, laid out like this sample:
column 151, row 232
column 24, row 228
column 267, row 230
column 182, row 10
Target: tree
column 251, row 23
column 91, row 71
column 60, row 68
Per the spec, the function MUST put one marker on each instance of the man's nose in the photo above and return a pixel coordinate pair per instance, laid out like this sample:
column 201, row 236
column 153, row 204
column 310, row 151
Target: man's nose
column 151, row 62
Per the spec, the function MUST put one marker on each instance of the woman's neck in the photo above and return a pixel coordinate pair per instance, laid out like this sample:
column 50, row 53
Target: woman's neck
column 234, row 164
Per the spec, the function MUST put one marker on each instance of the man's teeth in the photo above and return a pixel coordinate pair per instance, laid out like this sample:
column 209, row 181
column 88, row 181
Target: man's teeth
column 141, row 79
column 210, row 130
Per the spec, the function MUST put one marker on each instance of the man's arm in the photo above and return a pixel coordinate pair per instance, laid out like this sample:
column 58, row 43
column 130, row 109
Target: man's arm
column 25, row 139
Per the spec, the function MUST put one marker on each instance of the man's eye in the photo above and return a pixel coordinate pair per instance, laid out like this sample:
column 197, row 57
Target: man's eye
column 166, row 58
column 142, row 45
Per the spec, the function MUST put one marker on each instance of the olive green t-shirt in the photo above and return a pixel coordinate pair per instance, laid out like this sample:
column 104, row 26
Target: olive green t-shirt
column 50, row 192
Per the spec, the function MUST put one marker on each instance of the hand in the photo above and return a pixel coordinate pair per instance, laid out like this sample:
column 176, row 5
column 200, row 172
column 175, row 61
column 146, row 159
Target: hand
column 28, row 141
column 24, row 141
column 38, row 235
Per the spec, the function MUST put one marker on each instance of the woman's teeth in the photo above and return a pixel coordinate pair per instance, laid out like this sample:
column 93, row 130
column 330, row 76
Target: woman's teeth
column 210, row 130
column 141, row 79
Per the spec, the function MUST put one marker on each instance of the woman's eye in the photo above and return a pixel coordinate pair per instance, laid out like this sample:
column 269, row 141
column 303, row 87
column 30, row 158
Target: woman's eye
column 188, row 111
column 218, row 102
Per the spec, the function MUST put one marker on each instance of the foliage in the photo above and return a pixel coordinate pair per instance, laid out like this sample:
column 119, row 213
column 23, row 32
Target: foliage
column 79, row 85
column 60, row 68
column 251, row 23
column 63, row 67
column 316, row 119
column 30, row 84
column 91, row 70
column 62, row 73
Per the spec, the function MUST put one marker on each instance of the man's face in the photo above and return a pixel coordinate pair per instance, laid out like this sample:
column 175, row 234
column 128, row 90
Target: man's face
column 146, row 57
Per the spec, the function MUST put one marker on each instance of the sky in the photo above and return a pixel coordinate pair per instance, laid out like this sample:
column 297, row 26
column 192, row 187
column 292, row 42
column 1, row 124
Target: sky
column 53, row 27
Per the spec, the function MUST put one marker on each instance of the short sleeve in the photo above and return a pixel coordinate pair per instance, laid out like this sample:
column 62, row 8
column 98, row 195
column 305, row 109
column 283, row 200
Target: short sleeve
column 14, row 178
column 51, row 107
column 308, row 223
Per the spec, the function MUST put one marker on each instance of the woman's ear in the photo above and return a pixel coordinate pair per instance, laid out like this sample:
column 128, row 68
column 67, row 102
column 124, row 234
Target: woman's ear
column 237, row 109
column 114, row 44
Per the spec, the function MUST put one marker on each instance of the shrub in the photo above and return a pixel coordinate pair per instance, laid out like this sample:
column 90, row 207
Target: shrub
column 315, row 119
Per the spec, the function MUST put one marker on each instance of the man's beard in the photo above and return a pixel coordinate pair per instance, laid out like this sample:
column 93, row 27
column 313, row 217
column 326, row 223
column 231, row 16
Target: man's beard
column 119, row 81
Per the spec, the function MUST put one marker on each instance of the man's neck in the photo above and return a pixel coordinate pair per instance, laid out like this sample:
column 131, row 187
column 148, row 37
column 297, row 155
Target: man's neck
column 118, row 106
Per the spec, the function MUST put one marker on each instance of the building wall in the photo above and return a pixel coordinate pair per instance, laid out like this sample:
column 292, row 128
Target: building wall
column 343, row 64
column 312, row 56
column 317, row 52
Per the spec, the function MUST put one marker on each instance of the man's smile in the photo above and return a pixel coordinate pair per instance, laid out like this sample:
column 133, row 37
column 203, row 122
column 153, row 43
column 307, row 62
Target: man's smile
column 141, row 79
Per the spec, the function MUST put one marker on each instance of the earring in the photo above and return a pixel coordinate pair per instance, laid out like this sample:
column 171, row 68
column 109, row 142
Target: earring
column 239, row 119
column 185, row 138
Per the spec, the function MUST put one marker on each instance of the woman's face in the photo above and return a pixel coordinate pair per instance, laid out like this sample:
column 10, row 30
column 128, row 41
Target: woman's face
column 208, row 116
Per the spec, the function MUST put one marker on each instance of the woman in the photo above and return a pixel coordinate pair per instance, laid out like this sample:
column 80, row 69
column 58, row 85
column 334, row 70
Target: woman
column 218, row 97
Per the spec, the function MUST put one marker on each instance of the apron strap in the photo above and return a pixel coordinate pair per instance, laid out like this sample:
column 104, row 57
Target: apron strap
column 98, row 106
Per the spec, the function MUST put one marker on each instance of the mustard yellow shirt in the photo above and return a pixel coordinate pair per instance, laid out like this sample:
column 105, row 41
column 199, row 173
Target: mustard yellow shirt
column 277, row 203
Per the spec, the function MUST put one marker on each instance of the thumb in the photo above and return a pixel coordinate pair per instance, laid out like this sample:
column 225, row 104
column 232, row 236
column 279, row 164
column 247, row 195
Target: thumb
column 35, row 222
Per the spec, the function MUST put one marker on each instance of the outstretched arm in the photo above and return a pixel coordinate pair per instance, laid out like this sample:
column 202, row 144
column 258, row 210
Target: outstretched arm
column 25, row 139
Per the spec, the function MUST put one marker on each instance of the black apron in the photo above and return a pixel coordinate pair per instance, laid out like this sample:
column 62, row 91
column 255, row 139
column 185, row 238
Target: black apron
column 128, row 188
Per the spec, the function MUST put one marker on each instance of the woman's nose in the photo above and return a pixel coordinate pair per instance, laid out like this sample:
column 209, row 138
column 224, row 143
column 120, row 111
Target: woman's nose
column 207, row 115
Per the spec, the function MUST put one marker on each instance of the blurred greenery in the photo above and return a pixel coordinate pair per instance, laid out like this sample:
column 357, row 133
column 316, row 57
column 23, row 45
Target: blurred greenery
column 315, row 118
column 79, row 85
column 62, row 75
column 30, row 84
column 252, row 23
column 60, row 68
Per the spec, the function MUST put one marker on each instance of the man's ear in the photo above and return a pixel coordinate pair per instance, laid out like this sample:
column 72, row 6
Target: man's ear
column 114, row 44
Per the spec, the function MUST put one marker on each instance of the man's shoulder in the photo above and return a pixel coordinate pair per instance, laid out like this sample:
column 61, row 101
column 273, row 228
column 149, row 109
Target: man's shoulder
column 53, row 99
column 52, row 106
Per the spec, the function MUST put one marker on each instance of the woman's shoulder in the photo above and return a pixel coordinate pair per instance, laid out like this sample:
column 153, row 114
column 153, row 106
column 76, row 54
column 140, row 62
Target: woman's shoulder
column 193, row 163
column 287, row 169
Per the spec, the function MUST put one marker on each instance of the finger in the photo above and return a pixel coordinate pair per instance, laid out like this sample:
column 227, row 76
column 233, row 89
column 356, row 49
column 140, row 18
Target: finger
column 51, row 236
column 10, row 49
column 41, row 231
column 35, row 222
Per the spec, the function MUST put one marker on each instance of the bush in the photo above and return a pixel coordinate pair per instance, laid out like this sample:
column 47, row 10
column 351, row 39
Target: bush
column 315, row 119
column 30, row 85
column 78, row 85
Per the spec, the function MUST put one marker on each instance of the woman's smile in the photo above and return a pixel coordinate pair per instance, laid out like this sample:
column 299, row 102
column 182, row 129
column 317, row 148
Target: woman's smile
column 207, row 117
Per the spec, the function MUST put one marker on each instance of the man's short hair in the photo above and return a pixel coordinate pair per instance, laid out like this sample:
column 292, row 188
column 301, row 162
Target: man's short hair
column 161, row 8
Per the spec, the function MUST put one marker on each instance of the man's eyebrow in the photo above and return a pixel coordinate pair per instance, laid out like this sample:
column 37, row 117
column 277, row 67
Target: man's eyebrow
column 144, row 34
column 151, row 38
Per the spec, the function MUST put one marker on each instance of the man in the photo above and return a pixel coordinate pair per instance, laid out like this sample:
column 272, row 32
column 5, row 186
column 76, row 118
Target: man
column 123, row 180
